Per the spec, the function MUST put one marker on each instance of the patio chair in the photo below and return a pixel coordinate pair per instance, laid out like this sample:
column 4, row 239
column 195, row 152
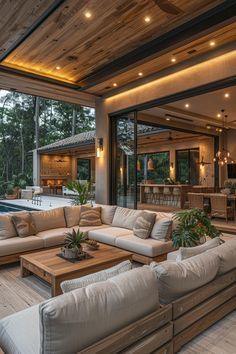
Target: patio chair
column 220, row 208
column 196, row 201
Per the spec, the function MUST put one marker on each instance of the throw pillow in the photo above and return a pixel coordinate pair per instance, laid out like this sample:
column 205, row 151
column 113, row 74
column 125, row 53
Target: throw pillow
column 187, row 252
column 162, row 229
column 103, row 275
column 7, row 229
column 227, row 255
column 125, row 217
column 24, row 224
column 107, row 213
column 72, row 215
column 90, row 216
column 144, row 224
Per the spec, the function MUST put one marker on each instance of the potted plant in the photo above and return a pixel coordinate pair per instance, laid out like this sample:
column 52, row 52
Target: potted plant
column 11, row 192
column 73, row 244
column 83, row 192
column 228, row 187
column 193, row 227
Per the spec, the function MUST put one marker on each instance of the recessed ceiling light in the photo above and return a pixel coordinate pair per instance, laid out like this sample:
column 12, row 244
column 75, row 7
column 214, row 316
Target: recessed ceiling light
column 114, row 84
column 88, row 14
column 58, row 67
column 212, row 43
column 167, row 118
column 140, row 74
column 208, row 126
column 218, row 115
column 173, row 60
column 226, row 95
column 187, row 105
column 147, row 19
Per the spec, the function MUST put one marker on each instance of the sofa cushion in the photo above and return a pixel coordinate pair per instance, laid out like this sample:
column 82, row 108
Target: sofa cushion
column 90, row 216
column 107, row 213
column 7, row 228
column 227, row 254
column 72, row 215
column 103, row 275
column 162, row 229
column 144, row 224
column 20, row 244
column 53, row 237
column 148, row 247
column 19, row 333
column 108, row 235
column 49, row 219
column 24, row 224
column 125, row 217
column 77, row 319
column 187, row 252
column 176, row 279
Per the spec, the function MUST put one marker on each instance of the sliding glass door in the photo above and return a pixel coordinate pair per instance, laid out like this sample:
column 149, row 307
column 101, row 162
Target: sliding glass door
column 124, row 161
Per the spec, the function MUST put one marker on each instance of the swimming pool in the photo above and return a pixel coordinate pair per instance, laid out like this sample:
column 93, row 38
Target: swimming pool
column 6, row 208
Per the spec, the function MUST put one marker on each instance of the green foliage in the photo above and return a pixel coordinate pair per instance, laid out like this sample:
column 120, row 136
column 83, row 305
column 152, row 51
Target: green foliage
column 193, row 225
column 75, row 239
column 230, row 185
column 83, row 190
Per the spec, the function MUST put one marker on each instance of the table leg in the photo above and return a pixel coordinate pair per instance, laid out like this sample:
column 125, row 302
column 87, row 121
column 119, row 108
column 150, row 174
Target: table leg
column 24, row 272
column 56, row 289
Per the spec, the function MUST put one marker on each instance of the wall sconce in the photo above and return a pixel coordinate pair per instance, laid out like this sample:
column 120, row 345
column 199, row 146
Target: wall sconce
column 171, row 165
column 150, row 164
column 99, row 147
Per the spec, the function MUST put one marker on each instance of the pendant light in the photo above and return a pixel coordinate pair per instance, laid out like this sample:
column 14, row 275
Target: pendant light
column 223, row 156
column 138, row 165
column 150, row 165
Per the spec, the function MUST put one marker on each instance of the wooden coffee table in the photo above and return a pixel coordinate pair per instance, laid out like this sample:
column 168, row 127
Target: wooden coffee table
column 53, row 269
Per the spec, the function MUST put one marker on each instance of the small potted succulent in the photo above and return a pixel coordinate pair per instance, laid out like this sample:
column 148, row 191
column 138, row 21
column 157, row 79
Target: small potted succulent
column 73, row 244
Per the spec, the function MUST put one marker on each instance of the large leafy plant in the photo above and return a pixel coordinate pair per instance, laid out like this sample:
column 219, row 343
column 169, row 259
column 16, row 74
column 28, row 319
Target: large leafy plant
column 193, row 227
column 83, row 191
column 75, row 239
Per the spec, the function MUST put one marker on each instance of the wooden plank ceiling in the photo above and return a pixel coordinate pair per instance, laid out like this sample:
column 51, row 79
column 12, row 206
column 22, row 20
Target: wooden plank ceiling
column 81, row 36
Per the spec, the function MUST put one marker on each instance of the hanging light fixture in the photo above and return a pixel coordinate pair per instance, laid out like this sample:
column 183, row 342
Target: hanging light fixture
column 223, row 156
column 150, row 164
column 138, row 165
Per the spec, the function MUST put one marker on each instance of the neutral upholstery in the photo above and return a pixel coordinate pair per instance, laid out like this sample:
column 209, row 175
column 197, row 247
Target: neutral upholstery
column 162, row 229
column 7, row 229
column 24, row 224
column 77, row 319
column 49, row 219
column 144, row 224
column 187, row 252
column 20, row 244
column 103, row 275
column 148, row 247
column 176, row 279
column 72, row 215
column 53, row 237
column 107, row 213
column 90, row 216
column 227, row 254
column 125, row 217
column 109, row 235
column 20, row 332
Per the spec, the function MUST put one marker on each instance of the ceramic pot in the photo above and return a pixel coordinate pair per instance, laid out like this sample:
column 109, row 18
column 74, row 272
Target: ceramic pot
column 71, row 252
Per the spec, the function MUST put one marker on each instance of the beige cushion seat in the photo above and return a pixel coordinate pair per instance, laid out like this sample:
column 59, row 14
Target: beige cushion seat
column 109, row 235
column 20, row 244
column 148, row 247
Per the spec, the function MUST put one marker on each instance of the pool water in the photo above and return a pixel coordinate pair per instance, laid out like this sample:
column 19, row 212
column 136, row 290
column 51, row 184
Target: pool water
column 9, row 208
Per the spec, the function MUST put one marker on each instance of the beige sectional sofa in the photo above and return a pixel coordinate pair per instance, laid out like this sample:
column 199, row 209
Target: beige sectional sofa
column 116, row 229
column 156, row 308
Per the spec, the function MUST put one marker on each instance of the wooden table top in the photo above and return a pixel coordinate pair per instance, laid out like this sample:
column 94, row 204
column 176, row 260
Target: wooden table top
column 48, row 260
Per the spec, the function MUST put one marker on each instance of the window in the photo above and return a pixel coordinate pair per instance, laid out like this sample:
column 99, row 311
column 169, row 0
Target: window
column 83, row 169
column 187, row 168
column 160, row 161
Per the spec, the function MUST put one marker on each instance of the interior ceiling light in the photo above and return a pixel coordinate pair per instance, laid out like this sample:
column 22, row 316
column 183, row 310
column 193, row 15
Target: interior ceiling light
column 114, row 84
column 173, row 60
column 147, row 19
column 223, row 156
column 226, row 95
column 218, row 115
column 212, row 43
column 187, row 105
column 140, row 74
column 58, row 67
column 167, row 118
column 88, row 14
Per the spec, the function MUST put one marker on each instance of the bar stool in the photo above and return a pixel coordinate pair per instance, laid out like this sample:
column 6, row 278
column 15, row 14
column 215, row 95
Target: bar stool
column 167, row 196
column 157, row 195
column 148, row 195
column 176, row 196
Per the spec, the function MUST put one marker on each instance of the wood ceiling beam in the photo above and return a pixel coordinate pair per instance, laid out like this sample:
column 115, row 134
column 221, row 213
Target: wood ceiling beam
column 214, row 18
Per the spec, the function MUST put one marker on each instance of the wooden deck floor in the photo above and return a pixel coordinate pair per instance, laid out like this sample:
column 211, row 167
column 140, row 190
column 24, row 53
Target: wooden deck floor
column 17, row 294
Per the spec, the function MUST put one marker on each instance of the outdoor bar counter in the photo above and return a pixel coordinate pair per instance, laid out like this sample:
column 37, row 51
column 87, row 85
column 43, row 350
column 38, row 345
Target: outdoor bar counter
column 177, row 196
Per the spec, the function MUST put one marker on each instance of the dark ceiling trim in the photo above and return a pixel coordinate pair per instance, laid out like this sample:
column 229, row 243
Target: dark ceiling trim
column 53, row 7
column 196, row 91
column 37, row 77
column 211, row 18
column 173, row 69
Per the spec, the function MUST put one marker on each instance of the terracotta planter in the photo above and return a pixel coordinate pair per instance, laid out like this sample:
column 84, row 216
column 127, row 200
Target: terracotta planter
column 71, row 252
column 11, row 196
